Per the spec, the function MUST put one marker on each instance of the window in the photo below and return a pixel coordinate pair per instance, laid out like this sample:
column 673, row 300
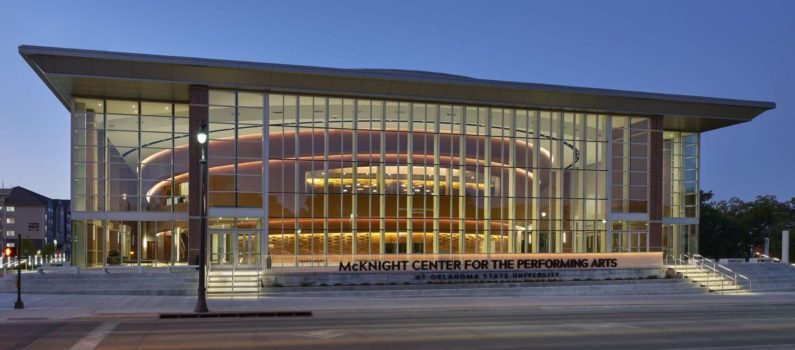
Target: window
column 9, row 220
column 10, row 233
column 9, row 209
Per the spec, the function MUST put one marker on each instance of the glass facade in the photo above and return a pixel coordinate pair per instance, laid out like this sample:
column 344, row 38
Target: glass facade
column 127, row 156
column 680, row 174
column 353, row 176
column 348, row 176
column 680, row 192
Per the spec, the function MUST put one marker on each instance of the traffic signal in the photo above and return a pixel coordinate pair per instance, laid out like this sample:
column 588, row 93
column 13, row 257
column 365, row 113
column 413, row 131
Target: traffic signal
column 9, row 252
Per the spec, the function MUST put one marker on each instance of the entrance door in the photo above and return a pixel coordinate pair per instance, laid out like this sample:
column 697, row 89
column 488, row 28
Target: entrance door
column 234, row 248
column 633, row 241
column 248, row 248
column 222, row 249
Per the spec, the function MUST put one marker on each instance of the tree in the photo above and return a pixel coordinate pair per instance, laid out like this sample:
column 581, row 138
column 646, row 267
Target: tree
column 48, row 250
column 732, row 228
column 719, row 234
column 28, row 248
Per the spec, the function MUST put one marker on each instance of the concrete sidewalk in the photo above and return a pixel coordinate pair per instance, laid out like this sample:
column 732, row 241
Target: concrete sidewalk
column 66, row 307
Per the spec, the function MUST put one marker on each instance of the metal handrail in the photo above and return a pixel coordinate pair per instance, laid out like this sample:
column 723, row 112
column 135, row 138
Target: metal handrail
column 259, row 276
column 763, row 256
column 704, row 264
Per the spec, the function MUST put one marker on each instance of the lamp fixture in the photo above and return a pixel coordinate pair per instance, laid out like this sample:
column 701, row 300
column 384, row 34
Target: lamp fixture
column 201, row 135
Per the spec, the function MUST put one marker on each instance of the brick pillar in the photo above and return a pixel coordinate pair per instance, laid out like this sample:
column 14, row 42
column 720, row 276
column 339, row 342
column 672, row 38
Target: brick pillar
column 655, row 183
column 199, row 98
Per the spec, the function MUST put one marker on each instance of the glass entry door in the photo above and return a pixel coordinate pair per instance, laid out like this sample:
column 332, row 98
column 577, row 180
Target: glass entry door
column 232, row 248
column 632, row 241
column 247, row 251
column 222, row 251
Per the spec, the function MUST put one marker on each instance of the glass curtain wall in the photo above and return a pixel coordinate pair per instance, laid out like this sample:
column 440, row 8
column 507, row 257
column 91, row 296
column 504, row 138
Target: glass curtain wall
column 630, row 182
column 235, row 150
column 680, row 192
column 360, row 176
column 680, row 174
column 129, row 156
column 630, row 165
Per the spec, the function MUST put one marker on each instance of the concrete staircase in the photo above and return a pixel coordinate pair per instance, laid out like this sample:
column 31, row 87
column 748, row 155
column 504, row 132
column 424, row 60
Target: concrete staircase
column 710, row 280
column 227, row 282
column 767, row 277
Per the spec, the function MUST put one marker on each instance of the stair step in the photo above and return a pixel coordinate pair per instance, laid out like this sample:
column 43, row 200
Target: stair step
column 707, row 279
column 718, row 286
column 235, row 278
column 235, row 271
column 236, row 294
column 235, row 285
column 233, row 290
column 237, row 282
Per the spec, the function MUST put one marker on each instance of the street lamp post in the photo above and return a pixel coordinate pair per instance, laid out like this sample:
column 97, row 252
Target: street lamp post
column 201, row 302
column 19, row 304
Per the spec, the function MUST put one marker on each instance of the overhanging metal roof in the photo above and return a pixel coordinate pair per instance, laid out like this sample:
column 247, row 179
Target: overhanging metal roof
column 88, row 73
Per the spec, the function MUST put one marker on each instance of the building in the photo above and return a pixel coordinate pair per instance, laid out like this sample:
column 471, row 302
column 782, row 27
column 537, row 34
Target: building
column 35, row 217
column 61, row 226
column 316, row 165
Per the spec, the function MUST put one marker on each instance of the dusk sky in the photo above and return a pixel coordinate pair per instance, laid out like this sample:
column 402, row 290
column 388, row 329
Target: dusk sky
column 729, row 49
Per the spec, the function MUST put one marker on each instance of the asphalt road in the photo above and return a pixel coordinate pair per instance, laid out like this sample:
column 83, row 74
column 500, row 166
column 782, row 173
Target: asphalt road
column 725, row 326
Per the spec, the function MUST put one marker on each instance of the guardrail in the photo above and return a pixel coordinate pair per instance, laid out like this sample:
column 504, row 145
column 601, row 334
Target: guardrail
column 8, row 263
column 31, row 262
